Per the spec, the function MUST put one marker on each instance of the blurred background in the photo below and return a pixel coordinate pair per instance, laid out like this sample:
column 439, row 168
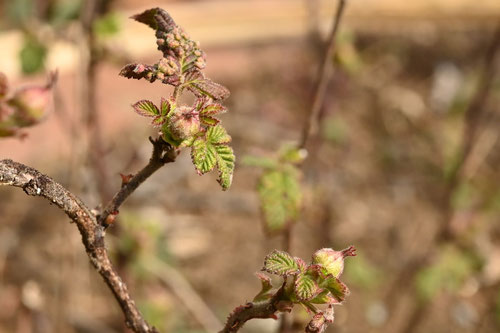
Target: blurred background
column 405, row 165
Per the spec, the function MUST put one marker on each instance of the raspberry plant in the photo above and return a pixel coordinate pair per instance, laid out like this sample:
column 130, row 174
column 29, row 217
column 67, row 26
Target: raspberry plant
column 197, row 127
column 182, row 126
column 309, row 285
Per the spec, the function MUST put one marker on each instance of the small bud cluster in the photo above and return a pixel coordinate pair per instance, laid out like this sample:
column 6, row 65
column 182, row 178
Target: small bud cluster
column 168, row 66
column 185, row 126
column 176, row 43
column 309, row 284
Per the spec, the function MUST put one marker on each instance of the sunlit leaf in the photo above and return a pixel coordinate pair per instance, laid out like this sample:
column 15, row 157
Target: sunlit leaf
column 146, row 108
column 280, row 263
column 306, row 287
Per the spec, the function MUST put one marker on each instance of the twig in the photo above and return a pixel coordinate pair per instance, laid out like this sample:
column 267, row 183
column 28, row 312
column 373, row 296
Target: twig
column 322, row 79
column 252, row 310
column 162, row 153
column 37, row 184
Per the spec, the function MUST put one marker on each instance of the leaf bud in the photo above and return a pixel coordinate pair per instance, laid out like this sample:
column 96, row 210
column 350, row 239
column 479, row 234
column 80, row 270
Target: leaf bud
column 32, row 103
column 184, row 123
column 331, row 261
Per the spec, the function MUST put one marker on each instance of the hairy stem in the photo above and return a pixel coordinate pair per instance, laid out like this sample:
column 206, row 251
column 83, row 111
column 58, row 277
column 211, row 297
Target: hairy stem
column 252, row 310
column 37, row 184
column 162, row 153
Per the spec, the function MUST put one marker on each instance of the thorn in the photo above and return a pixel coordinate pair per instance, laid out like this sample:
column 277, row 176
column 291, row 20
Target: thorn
column 126, row 178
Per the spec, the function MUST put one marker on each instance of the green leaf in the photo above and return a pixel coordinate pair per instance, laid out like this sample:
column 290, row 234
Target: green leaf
column 449, row 272
column 167, row 136
column 323, row 297
column 211, row 150
column 225, row 164
column 32, row 56
column 306, row 287
column 146, row 108
column 337, row 288
column 302, row 264
column 280, row 263
column 209, row 121
column 207, row 107
column 201, row 86
column 280, row 197
column 158, row 121
column 218, row 135
column 203, row 154
column 266, row 287
column 167, row 107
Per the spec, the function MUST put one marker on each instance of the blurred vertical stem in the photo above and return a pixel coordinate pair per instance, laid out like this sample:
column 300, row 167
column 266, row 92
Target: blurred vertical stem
column 323, row 76
column 311, row 122
column 89, row 106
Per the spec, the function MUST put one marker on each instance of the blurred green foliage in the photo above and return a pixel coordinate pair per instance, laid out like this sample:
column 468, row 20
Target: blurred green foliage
column 449, row 272
column 108, row 25
column 32, row 56
column 464, row 195
column 334, row 129
column 279, row 187
column 155, row 312
column 19, row 11
column 64, row 11
column 363, row 274
column 142, row 242
column 347, row 54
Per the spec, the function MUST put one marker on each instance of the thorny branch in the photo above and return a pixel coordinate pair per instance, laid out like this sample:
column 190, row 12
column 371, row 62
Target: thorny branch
column 252, row 310
column 37, row 184
column 162, row 153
